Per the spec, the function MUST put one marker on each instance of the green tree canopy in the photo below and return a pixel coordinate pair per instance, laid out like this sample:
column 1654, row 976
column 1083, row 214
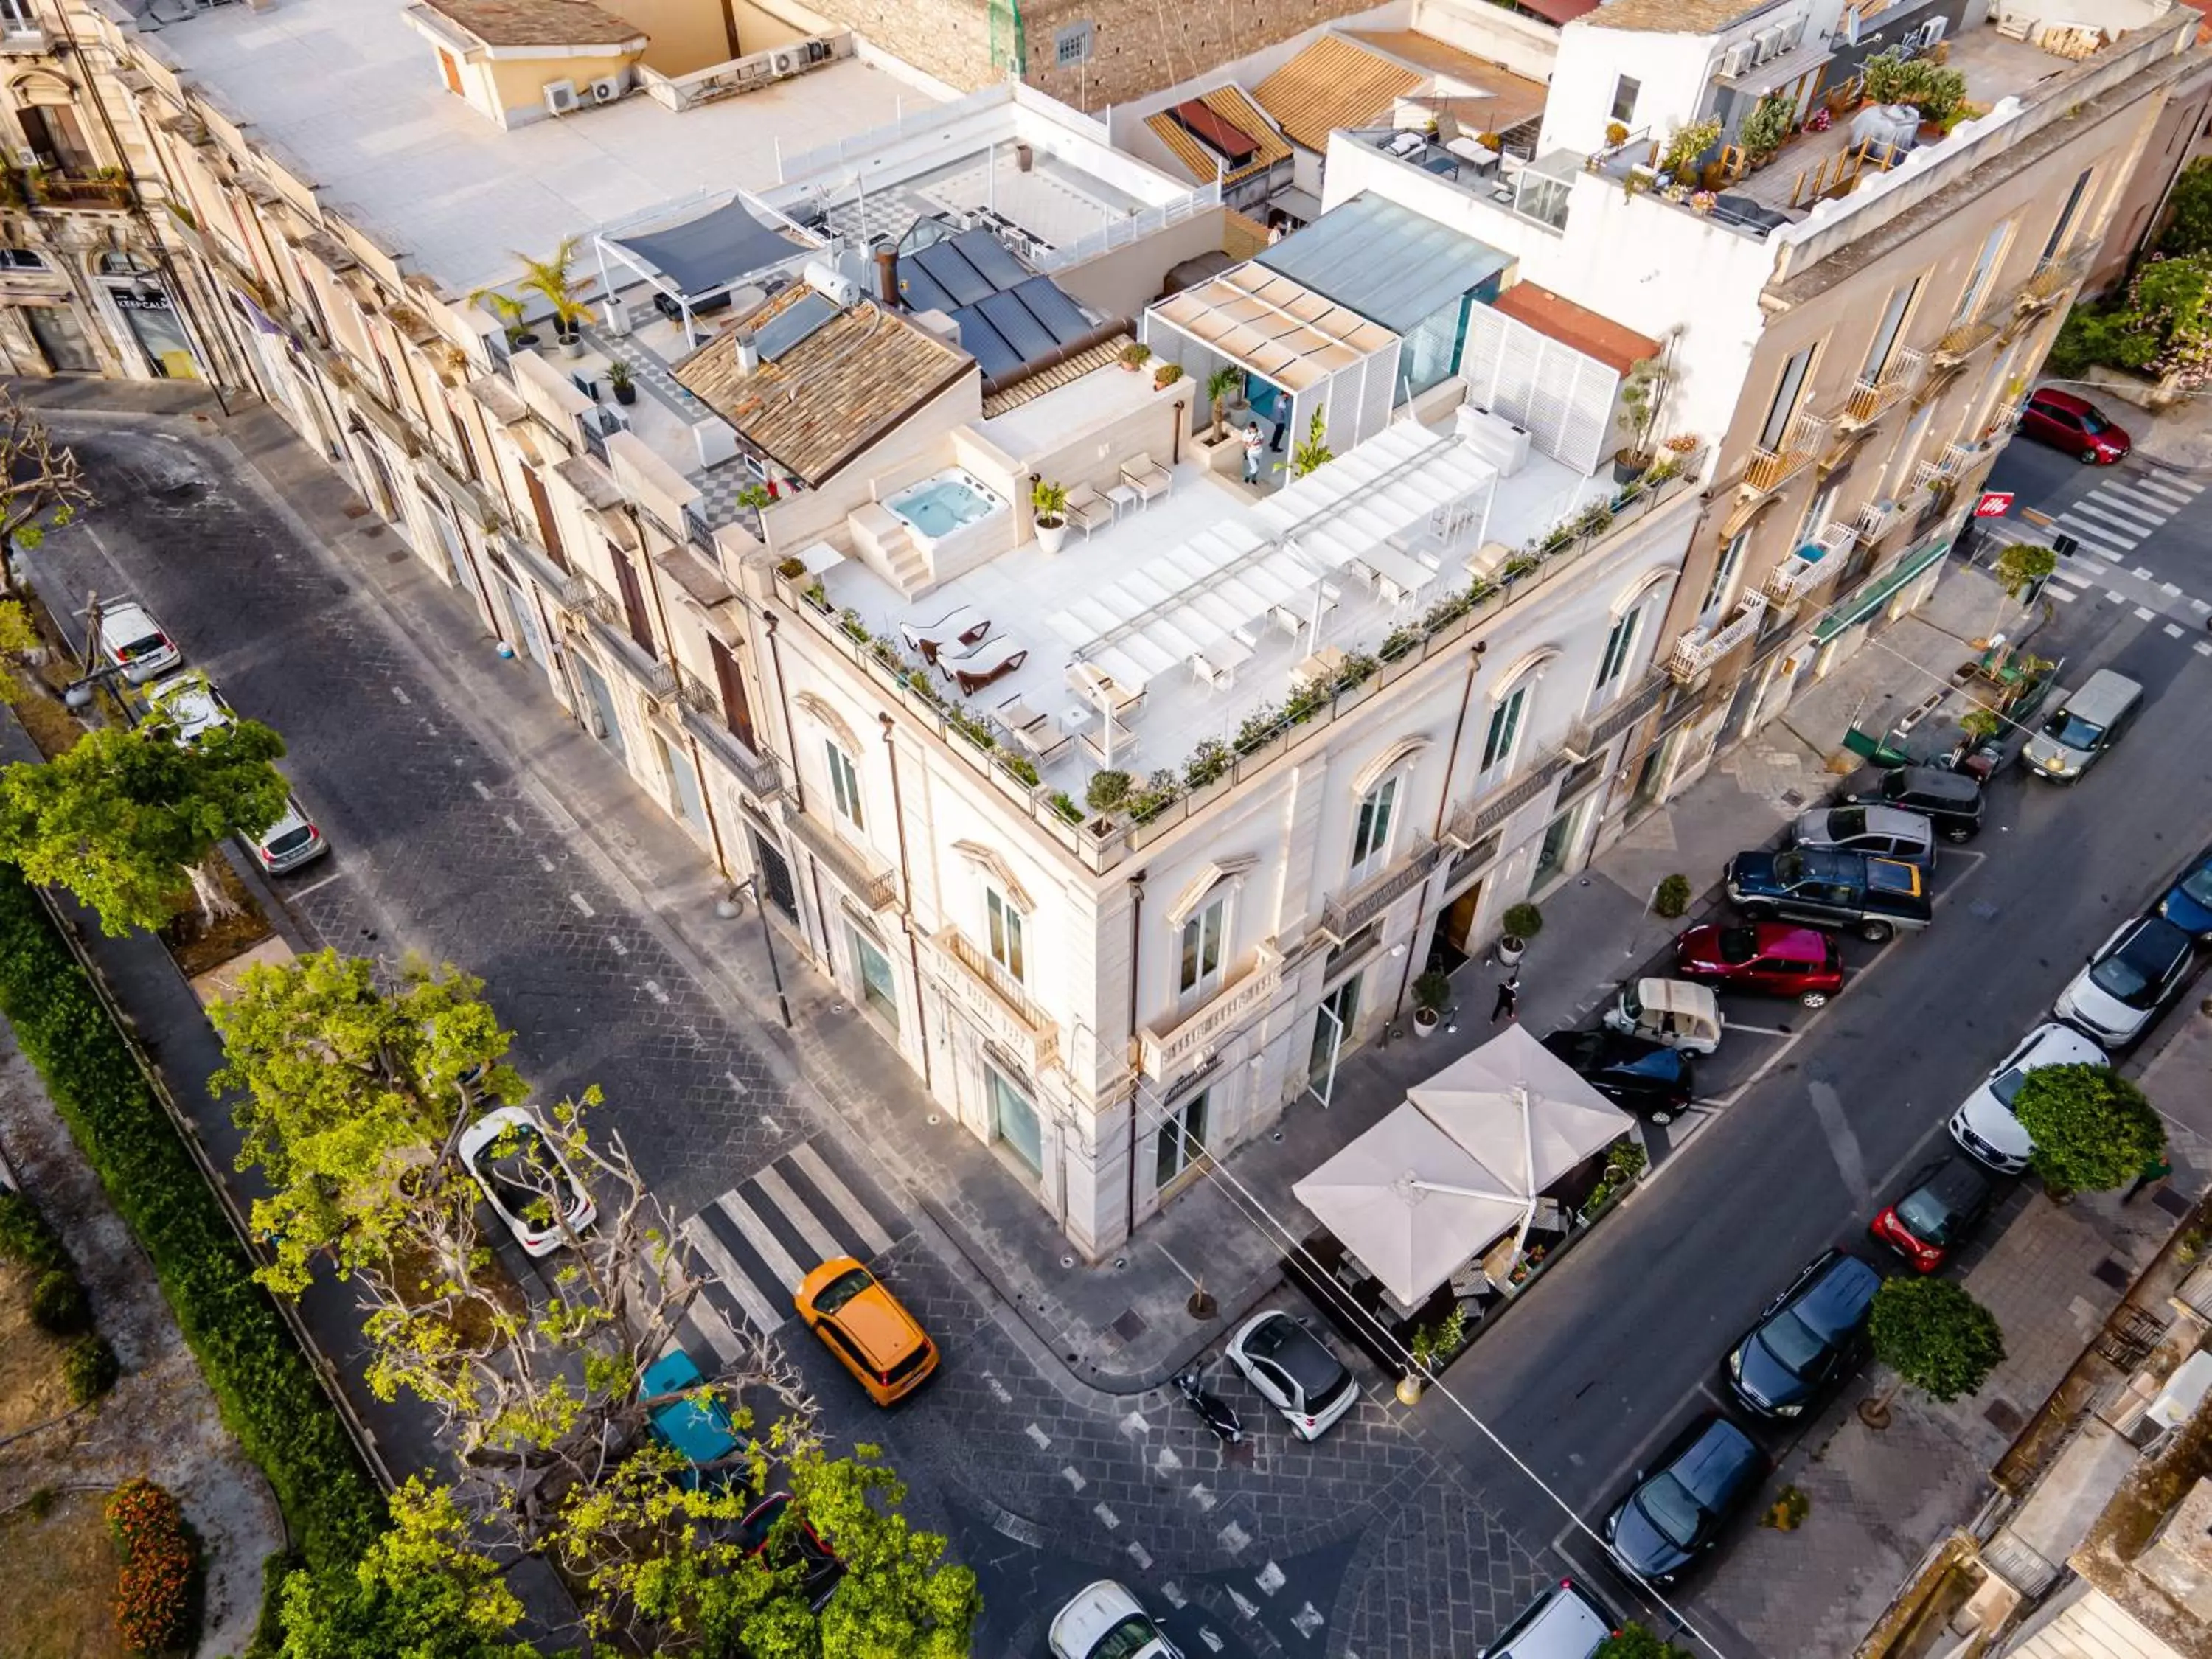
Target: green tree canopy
column 125, row 819
column 2161, row 325
column 2189, row 224
column 1634, row 1642
column 900, row 1599
column 2092, row 1129
column 1936, row 1337
column 353, row 1088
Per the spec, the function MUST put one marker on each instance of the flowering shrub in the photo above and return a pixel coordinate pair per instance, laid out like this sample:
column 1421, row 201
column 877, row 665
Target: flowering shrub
column 161, row 1561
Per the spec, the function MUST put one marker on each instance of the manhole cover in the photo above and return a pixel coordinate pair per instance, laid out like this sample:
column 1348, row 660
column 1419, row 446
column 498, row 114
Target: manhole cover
column 2171, row 1201
column 1130, row 1326
column 1792, row 799
column 2004, row 1417
column 398, row 556
column 2110, row 1272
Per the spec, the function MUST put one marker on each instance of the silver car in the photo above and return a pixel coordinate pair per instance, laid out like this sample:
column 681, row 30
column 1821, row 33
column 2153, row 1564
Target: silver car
column 1883, row 832
column 290, row 842
column 2132, row 976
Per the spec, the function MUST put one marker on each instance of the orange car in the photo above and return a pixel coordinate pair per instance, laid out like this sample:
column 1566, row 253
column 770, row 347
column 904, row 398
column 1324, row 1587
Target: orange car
column 867, row 1328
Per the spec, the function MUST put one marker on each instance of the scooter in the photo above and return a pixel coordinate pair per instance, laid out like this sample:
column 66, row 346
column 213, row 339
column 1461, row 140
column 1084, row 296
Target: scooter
column 1217, row 1413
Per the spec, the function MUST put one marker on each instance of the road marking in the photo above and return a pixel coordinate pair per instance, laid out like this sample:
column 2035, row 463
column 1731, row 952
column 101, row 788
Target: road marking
column 1271, row 1578
column 2064, row 595
column 1043, row 1440
column 2121, row 510
column 2071, row 579
column 2163, row 489
column 765, row 1244
column 477, row 784
column 2124, row 530
column 1199, row 1495
column 1167, row 1462
column 617, row 947
column 1074, row 1476
column 1756, row 1031
column 2115, row 597
column 2141, row 574
column 828, row 1184
column 1172, row 1593
column 507, row 819
column 2143, row 614
column 2172, row 590
column 734, row 1279
column 2200, row 606
column 1206, row 1634
column 1245, row 1604
column 2095, row 537
column 1141, row 1556
column 771, row 1181
column 1107, row 1518
column 2173, row 630
column 2201, row 649
column 403, row 697
column 716, row 1329
column 1843, row 1145
column 581, row 903
column 545, row 864
column 652, row 989
column 299, row 893
column 1134, row 1425
column 1234, row 1538
column 1307, row 1620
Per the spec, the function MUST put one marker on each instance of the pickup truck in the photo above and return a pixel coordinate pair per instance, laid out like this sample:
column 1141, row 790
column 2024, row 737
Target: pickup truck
column 1873, row 896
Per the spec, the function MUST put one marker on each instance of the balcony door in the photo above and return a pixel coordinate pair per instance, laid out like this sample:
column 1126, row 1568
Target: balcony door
column 1332, row 1021
column 51, row 133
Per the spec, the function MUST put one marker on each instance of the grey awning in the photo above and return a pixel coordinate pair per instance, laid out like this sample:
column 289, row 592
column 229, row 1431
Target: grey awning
column 714, row 251
column 1390, row 264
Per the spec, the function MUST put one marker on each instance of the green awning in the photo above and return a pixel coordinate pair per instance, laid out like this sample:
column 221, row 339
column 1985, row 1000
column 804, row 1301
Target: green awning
column 1860, row 605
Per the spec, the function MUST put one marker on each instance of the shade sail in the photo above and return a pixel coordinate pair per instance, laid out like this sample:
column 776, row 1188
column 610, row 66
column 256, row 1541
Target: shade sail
column 1409, row 1203
column 1520, row 1111
column 712, row 251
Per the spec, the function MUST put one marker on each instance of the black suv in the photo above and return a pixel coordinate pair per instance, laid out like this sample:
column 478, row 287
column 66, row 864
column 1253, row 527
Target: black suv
column 1952, row 801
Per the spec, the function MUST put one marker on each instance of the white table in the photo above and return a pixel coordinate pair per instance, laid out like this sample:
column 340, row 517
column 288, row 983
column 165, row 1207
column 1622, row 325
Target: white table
column 1123, row 495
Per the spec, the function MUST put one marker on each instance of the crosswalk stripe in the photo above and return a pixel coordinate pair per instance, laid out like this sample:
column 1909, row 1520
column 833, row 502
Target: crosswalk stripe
column 778, row 1193
column 2120, row 510
column 708, row 1319
column 2180, row 489
column 2112, row 527
column 2097, row 536
column 761, row 1237
column 855, row 1214
column 2065, row 594
column 2133, row 497
column 2071, row 579
column 734, row 1279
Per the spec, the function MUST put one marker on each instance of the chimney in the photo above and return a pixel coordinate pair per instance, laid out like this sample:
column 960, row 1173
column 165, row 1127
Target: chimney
column 748, row 354
column 887, row 276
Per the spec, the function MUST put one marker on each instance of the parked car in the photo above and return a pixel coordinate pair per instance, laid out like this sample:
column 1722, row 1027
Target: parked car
column 1951, row 801
column 290, row 842
column 1105, row 1621
column 1672, row 1013
column 188, row 708
column 521, row 1172
column 1677, row 1512
column 132, row 640
column 1985, row 1125
column 868, row 1328
column 1874, row 897
column 1808, row 1337
column 2086, row 724
column 2075, row 425
column 2188, row 903
column 1772, row 958
column 702, row 1431
column 1645, row 1078
column 1565, row 1622
column 2129, row 981
column 764, row 1532
column 1882, row 832
column 1942, row 1204
column 1294, row 1370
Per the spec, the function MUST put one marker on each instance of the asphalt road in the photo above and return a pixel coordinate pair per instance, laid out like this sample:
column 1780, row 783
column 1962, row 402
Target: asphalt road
column 1625, row 1341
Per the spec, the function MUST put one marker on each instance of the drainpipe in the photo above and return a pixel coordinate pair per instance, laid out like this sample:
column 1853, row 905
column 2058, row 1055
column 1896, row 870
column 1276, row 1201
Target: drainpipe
column 1136, row 946
column 905, row 883
column 1443, row 804
column 769, row 620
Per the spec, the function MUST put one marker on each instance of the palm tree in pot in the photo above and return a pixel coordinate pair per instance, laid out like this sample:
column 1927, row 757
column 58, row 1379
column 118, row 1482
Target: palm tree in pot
column 1220, row 387
column 1522, row 923
column 510, row 312
column 1432, row 991
column 618, row 377
column 1049, row 502
column 555, row 280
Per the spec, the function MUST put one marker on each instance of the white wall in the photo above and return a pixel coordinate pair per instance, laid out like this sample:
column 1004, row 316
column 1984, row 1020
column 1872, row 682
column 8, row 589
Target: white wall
column 1674, row 73
column 1522, row 44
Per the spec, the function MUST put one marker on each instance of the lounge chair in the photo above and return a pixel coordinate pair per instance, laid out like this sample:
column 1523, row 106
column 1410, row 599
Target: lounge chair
column 985, row 664
column 1087, row 507
column 1146, row 476
column 959, row 628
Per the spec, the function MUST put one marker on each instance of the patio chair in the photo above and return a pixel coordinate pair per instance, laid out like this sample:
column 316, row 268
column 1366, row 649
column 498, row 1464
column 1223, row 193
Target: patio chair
column 1087, row 507
column 958, row 626
column 1146, row 476
column 986, row 665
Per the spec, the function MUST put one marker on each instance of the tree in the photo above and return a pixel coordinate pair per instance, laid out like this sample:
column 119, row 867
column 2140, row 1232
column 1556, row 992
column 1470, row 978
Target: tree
column 2161, row 326
column 2092, row 1129
column 1313, row 453
column 1220, row 387
column 2189, row 223
column 421, row 1592
column 125, row 818
column 40, row 484
column 1632, row 1641
column 355, row 1083
column 1936, row 1337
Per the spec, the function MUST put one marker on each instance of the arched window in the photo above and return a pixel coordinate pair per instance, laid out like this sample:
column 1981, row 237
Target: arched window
column 120, row 262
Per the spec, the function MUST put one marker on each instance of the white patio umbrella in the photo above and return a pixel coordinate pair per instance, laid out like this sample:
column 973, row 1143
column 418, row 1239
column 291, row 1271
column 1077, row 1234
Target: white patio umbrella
column 1410, row 1203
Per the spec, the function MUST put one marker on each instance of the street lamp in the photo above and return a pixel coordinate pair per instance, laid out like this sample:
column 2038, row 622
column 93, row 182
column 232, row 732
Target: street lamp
column 735, row 901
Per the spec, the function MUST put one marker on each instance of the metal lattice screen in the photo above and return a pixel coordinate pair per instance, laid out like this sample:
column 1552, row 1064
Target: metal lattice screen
column 1009, row 47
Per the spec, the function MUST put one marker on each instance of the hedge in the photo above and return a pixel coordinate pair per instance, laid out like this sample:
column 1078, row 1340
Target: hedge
column 269, row 1396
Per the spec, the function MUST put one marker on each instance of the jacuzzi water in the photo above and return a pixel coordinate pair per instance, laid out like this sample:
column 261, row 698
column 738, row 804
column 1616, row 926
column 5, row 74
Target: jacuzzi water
column 938, row 506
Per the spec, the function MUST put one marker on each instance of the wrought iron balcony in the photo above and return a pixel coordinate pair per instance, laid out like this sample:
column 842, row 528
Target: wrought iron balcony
column 1768, row 469
column 1695, row 652
column 1877, row 519
column 994, row 998
column 1348, row 912
column 1869, row 399
column 1948, row 467
column 2051, row 279
column 761, row 774
column 854, row 867
column 1961, row 341
column 1788, row 581
column 1169, row 1048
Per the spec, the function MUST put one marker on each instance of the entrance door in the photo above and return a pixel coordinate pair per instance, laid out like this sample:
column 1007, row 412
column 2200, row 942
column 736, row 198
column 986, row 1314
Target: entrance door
column 878, row 988
column 60, row 336
column 528, row 639
column 1339, row 1011
column 1454, row 929
column 1014, row 1120
column 601, row 697
column 775, row 877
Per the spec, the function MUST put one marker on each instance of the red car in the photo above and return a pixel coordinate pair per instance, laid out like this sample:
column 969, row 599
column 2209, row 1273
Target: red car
column 1775, row 958
column 2075, row 425
column 1942, row 1206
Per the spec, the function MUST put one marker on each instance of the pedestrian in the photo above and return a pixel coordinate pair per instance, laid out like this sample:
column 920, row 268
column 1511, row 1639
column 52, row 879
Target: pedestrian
column 1255, row 447
column 1509, row 991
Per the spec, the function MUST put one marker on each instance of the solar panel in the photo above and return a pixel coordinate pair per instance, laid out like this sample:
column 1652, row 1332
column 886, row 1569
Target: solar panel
column 1063, row 317
column 991, row 259
column 1027, row 335
column 797, row 322
column 919, row 289
column 954, row 274
column 984, row 344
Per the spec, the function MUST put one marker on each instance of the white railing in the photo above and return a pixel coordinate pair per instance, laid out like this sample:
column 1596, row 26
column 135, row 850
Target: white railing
column 935, row 117
column 1692, row 655
column 1877, row 519
column 1121, row 233
column 1167, row 1049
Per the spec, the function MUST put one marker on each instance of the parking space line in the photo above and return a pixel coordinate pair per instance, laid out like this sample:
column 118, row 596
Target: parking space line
column 1756, row 1031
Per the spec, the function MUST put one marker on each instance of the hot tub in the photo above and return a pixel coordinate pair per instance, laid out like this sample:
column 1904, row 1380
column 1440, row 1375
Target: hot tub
column 944, row 503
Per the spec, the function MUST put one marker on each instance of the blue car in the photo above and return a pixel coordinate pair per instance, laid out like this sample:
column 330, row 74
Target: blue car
column 703, row 1432
column 2188, row 903
column 1679, row 1511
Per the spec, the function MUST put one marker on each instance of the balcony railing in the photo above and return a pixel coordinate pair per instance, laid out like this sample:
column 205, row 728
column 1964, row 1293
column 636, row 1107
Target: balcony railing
column 1348, row 912
column 1960, row 342
column 1692, row 655
column 874, row 885
column 1877, row 519
column 761, row 774
column 1788, row 581
column 1948, row 467
column 1768, row 469
column 23, row 41
column 998, row 1001
column 2051, row 279
column 1473, row 819
column 1869, row 399
column 1169, row 1048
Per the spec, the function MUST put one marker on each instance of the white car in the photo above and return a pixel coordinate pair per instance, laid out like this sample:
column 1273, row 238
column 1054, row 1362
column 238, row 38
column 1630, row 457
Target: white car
column 290, row 842
column 190, row 707
column 1104, row 1621
column 2129, row 980
column 1985, row 1127
column 1296, row 1372
column 521, row 1169
column 1563, row 1623
column 134, row 641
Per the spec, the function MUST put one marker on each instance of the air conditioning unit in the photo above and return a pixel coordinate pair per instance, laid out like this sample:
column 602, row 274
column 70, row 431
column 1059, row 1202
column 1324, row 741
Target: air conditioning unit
column 1926, row 35
column 607, row 88
column 781, row 63
column 1494, row 438
column 560, row 97
column 1738, row 58
column 832, row 284
column 1766, row 43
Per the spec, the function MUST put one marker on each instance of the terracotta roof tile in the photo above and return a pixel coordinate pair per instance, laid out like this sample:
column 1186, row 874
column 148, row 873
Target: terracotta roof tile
column 1671, row 16
column 1572, row 325
column 828, row 398
column 1331, row 83
column 536, row 22
column 1230, row 104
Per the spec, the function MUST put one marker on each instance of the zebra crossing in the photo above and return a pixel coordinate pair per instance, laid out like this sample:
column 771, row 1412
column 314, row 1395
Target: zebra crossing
column 755, row 1243
column 2124, row 511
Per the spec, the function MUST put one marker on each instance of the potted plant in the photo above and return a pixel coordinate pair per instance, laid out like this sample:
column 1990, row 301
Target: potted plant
column 1050, row 502
column 554, row 280
column 1616, row 134
column 1135, row 356
column 1686, row 143
column 1642, row 397
column 1766, row 128
column 1522, row 922
column 510, row 312
column 1430, row 992
column 1220, row 387
column 618, row 377
column 1166, row 375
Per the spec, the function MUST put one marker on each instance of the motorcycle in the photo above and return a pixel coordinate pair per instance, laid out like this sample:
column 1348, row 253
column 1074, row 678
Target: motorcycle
column 1217, row 1413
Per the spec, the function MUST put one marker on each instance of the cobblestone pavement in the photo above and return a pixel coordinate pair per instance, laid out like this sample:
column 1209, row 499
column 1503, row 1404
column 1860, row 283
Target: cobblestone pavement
column 1365, row 1544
